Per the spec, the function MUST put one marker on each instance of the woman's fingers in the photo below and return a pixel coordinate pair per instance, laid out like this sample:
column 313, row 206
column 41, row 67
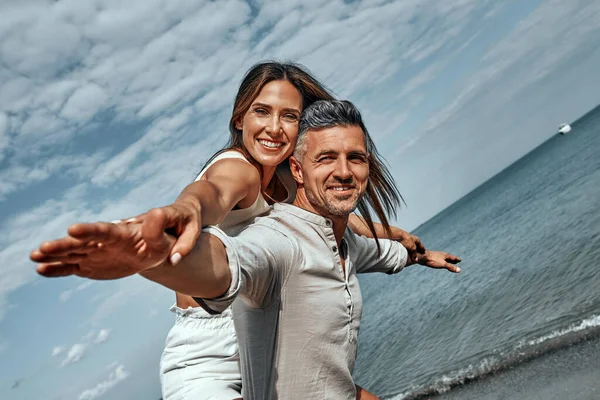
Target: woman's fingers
column 64, row 246
column 96, row 231
column 68, row 258
column 185, row 242
column 57, row 270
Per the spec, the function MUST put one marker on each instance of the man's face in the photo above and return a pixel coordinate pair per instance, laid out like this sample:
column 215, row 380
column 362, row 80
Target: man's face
column 335, row 169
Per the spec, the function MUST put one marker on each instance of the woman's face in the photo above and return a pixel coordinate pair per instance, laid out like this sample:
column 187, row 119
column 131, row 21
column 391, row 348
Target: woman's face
column 270, row 126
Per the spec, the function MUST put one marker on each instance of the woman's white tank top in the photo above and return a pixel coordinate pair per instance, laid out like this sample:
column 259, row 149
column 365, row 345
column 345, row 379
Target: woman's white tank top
column 237, row 219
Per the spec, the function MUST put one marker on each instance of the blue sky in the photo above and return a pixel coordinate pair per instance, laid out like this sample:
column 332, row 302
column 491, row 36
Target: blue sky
column 109, row 108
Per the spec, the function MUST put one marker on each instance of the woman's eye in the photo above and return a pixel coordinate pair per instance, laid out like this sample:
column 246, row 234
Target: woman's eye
column 291, row 117
column 260, row 111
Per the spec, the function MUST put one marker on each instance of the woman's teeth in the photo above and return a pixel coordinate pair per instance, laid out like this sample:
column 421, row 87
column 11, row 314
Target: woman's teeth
column 272, row 145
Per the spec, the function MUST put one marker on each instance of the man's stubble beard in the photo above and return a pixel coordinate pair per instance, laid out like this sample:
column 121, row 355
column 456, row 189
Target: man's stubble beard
column 332, row 208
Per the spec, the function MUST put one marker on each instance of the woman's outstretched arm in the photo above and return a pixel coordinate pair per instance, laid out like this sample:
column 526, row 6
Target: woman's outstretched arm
column 105, row 251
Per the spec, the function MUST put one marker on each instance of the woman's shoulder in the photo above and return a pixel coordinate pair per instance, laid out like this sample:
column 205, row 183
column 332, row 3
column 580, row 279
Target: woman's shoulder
column 228, row 159
column 229, row 154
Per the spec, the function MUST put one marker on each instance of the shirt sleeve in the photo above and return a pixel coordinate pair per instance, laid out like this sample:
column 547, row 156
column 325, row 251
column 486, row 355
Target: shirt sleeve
column 391, row 259
column 259, row 258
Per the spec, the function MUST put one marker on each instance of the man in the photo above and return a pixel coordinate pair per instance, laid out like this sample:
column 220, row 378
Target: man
column 294, row 270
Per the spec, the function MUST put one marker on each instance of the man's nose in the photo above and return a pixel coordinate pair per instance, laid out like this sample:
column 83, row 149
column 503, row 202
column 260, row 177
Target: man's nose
column 342, row 171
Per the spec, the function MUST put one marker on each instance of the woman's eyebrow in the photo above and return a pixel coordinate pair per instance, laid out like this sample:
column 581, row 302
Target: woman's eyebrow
column 259, row 104
column 268, row 106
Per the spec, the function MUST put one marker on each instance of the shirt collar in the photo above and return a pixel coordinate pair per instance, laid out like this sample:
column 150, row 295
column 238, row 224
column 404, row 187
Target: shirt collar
column 303, row 214
column 314, row 219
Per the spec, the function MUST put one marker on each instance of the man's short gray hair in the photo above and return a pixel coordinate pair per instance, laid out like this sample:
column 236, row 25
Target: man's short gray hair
column 327, row 114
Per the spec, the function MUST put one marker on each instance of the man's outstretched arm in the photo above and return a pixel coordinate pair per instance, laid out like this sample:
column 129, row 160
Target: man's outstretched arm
column 202, row 273
column 113, row 251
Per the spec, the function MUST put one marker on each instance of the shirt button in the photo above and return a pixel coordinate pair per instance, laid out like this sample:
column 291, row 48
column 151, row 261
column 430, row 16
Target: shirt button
column 328, row 223
column 334, row 249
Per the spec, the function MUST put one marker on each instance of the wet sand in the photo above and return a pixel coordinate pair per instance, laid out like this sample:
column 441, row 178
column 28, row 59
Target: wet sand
column 571, row 373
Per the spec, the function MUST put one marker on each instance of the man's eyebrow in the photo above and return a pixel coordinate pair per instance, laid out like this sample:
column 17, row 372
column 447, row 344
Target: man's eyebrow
column 357, row 153
column 326, row 153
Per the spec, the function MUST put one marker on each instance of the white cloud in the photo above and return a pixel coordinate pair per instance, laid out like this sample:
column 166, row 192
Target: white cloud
column 66, row 295
column 74, row 354
column 102, row 336
column 108, row 60
column 78, row 350
column 115, row 377
column 4, row 125
column 4, row 129
column 85, row 102
column 57, row 350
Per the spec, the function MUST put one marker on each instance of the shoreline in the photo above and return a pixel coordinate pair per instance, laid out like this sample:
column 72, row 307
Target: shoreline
column 571, row 372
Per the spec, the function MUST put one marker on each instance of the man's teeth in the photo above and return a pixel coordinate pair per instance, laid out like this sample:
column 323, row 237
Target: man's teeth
column 341, row 188
column 272, row 145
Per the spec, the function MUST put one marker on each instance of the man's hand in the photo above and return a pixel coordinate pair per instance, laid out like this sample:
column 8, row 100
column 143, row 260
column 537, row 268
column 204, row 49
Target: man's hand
column 104, row 251
column 440, row 260
column 411, row 243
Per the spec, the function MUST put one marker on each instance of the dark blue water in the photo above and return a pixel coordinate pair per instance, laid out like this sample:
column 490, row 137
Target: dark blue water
column 530, row 243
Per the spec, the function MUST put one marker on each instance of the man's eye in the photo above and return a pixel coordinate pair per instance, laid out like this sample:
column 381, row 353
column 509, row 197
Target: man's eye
column 325, row 159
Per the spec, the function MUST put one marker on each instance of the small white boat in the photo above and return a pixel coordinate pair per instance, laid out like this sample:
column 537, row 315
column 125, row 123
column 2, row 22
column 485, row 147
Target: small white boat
column 563, row 129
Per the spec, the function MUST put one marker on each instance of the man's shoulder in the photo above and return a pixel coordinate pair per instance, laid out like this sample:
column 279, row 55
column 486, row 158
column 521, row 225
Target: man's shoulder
column 281, row 217
column 356, row 241
column 274, row 223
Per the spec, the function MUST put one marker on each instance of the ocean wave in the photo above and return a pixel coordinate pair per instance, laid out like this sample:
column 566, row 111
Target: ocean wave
column 592, row 322
column 498, row 361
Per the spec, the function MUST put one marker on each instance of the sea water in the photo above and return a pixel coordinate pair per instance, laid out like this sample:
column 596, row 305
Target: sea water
column 523, row 318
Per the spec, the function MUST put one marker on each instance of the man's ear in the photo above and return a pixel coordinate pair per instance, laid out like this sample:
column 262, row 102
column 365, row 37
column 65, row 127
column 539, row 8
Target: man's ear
column 296, row 169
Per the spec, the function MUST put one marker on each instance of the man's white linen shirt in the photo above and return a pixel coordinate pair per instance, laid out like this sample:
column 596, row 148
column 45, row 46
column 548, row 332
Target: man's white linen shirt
column 298, row 315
